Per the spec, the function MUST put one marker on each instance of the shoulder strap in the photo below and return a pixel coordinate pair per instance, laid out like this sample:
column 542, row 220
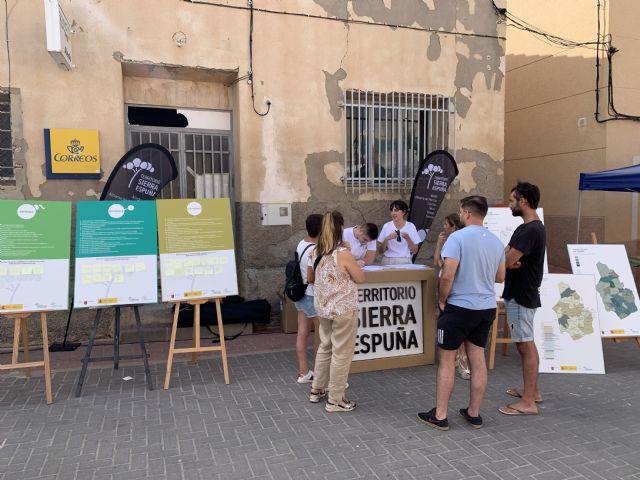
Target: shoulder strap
column 315, row 264
column 299, row 259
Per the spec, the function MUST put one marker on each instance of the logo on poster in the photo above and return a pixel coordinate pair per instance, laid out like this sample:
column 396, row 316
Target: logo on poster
column 27, row 211
column 194, row 208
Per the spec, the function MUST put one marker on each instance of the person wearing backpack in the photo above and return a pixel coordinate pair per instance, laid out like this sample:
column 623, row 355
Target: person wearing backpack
column 306, row 311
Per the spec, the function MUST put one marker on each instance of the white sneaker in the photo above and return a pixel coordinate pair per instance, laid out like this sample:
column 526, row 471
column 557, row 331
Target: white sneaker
column 306, row 378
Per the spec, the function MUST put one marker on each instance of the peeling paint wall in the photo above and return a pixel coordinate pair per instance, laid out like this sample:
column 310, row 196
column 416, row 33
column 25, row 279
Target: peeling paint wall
column 302, row 64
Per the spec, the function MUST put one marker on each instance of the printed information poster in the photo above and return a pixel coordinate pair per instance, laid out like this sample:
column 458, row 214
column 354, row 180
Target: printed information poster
column 35, row 243
column 566, row 327
column 617, row 293
column 197, row 257
column 389, row 321
column 116, row 254
column 501, row 222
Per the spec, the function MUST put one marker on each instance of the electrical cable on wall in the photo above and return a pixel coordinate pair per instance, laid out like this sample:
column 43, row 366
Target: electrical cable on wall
column 250, row 78
column 6, row 31
column 603, row 42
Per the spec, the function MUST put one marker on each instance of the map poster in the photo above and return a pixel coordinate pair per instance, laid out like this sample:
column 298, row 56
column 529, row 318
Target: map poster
column 566, row 328
column 116, row 254
column 35, row 243
column 501, row 222
column 616, row 287
column 197, row 257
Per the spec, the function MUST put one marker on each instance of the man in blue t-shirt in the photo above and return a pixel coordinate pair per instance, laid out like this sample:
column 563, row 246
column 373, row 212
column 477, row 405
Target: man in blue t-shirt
column 473, row 261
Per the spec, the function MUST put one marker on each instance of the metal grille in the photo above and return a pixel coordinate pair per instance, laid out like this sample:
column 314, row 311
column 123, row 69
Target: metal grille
column 388, row 134
column 203, row 159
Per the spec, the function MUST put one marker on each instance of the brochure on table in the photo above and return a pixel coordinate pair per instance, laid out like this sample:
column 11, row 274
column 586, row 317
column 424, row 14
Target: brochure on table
column 197, row 257
column 501, row 222
column 616, row 287
column 566, row 327
column 116, row 254
column 35, row 239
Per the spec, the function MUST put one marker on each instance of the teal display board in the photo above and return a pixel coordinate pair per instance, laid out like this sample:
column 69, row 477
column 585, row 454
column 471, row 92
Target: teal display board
column 116, row 253
column 34, row 255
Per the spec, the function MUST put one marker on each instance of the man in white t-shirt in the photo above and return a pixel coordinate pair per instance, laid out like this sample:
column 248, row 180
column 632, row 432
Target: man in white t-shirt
column 361, row 240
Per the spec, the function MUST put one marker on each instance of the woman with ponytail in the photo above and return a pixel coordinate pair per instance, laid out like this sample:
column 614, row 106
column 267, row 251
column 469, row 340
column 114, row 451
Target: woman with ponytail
column 334, row 272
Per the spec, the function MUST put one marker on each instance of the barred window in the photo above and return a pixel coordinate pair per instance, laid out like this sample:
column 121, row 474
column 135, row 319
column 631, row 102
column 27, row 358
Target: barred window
column 6, row 145
column 388, row 134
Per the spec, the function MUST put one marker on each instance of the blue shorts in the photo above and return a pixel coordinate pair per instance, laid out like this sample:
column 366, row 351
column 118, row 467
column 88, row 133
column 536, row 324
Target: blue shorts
column 520, row 321
column 306, row 305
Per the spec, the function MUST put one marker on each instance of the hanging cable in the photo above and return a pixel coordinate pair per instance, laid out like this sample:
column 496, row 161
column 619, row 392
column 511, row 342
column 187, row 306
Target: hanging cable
column 6, row 32
column 250, row 79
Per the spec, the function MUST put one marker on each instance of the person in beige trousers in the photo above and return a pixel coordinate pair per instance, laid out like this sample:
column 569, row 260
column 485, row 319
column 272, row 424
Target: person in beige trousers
column 334, row 273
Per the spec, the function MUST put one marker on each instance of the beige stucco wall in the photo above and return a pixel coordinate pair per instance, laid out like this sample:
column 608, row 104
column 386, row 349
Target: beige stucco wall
column 124, row 52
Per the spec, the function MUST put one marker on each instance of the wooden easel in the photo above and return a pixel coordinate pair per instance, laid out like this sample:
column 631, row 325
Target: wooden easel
column 494, row 340
column 116, row 348
column 22, row 327
column 196, row 338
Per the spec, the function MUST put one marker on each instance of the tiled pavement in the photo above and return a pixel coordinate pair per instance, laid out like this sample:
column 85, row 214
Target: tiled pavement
column 262, row 426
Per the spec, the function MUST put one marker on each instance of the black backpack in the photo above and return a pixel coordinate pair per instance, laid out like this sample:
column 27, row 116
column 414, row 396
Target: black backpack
column 294, row 287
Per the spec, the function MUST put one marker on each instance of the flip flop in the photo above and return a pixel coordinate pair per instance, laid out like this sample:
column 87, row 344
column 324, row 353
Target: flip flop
column 509, row 410
column 515, row 393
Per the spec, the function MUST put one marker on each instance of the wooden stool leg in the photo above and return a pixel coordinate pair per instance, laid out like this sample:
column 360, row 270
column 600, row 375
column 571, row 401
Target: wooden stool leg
column 196, row 331
column 492, row 342
column 174, row 328
column 505, row 333
column 223, row 348
column 45, row 351
column 24, row 331
column 16, row 340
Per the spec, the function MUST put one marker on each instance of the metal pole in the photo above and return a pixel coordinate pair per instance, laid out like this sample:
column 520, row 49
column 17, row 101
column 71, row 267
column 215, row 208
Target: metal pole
column 578, row 216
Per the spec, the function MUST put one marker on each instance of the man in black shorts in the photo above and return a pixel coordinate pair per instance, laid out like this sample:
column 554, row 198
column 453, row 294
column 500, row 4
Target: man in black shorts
column 473, row 261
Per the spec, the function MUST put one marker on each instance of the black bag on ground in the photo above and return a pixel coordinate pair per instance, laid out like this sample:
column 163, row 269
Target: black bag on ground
column 294, row 287
column 251, row 311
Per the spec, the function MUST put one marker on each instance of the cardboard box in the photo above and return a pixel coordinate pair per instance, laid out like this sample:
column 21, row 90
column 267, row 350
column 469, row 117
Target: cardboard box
column 289, row 317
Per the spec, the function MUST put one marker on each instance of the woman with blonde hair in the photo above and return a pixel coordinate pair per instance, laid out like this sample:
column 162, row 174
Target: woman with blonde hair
column 334, row 272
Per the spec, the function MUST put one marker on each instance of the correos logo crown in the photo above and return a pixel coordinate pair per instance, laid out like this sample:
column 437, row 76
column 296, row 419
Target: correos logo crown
column 75, row 146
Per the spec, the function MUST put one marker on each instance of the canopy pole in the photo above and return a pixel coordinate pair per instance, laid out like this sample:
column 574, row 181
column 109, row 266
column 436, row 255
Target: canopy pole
column 578, row 216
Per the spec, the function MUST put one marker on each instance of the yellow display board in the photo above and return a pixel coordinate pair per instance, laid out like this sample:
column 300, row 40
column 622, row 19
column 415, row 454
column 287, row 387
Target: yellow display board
column 72, row 153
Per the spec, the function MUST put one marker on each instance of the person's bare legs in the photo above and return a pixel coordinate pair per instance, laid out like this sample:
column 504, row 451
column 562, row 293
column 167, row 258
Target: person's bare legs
column 302, row 340
column 478, row 383
column 530, row 392
column 445, row 380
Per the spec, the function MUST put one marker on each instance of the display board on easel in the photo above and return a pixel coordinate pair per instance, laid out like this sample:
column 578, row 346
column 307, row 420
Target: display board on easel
column 566, row 326
column 116, row 254
column 197, row 257
column 617, row 294
column 35, row 242
column 197, row 264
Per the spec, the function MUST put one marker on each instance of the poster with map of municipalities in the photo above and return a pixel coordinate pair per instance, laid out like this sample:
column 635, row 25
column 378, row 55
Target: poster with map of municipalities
column 617, row 293
column 35, row 240
column 501, row 222
column 197, row 256
column 566, row 328
column 116, row 254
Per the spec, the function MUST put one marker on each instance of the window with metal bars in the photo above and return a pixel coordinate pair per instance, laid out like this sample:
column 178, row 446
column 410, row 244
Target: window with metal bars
column 388, row 134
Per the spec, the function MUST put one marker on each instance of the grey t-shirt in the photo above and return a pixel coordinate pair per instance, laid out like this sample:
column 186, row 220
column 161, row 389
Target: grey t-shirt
column 480, row 253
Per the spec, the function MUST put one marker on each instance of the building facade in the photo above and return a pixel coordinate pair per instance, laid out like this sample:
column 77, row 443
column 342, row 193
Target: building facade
column 293, row 107
column 552, row 130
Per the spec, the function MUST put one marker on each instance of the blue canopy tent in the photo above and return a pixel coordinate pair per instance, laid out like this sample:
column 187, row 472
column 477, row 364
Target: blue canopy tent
column 626, row 179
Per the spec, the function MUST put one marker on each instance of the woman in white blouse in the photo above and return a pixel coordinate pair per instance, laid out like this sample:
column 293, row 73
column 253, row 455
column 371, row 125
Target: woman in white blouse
column 398, row 239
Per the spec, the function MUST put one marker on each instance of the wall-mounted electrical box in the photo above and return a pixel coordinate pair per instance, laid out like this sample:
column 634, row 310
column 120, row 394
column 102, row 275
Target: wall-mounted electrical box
column 276, row 214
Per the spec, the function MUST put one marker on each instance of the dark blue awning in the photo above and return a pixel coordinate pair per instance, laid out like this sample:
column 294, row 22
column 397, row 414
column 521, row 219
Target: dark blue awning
column 626, row 179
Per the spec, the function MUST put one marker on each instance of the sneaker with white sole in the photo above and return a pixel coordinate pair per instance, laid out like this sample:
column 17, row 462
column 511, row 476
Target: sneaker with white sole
column 305, row 377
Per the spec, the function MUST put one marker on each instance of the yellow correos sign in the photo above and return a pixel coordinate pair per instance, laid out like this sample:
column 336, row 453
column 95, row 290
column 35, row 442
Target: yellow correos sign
column 72, row 153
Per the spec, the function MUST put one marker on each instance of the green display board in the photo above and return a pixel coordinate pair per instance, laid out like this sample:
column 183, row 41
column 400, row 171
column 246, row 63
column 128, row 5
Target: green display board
column 34, row 255
column 116, row 253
